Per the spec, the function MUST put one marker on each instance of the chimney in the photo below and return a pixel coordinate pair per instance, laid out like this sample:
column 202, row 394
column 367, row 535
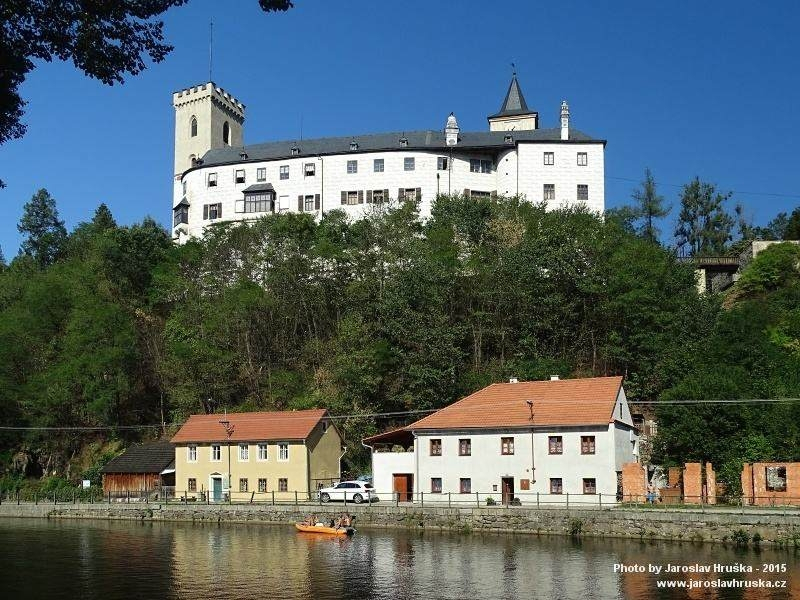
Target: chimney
column 451, row 131
column 554, row 378
column 564, row 120
column 513, row 380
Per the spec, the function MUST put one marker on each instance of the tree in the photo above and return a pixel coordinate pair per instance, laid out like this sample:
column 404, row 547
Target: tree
column 45, row 232
column 792, row 229
column 649, row 207
column 703, row 223
column 106, row 40
column 2, row 260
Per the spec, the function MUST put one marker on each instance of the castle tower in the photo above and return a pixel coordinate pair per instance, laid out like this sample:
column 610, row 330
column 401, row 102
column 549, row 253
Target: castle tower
column 514, row 114
column 451, row 130
column 564, row 120
column 206, row 117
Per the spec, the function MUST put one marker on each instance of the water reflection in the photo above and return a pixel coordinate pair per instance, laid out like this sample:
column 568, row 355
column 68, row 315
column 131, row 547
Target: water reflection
column 95, row 559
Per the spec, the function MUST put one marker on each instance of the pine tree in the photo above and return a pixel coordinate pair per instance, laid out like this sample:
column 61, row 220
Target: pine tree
column 45, row 232
column 2, row 259
column 792, row 231
column 703, row 223
column 103, row 220
column 649, row 207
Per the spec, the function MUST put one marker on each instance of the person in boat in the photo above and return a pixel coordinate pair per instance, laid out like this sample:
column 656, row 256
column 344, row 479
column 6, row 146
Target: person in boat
column 346, row 520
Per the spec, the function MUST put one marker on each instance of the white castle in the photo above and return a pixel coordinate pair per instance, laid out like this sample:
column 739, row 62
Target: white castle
column 218, row 178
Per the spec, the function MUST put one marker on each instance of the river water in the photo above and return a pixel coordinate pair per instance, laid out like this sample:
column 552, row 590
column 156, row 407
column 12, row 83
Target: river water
column 112, row 559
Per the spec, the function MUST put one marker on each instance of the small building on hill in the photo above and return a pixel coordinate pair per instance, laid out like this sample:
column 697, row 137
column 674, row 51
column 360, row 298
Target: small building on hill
column 142, row 469
column 256, row 455
column 517, row 442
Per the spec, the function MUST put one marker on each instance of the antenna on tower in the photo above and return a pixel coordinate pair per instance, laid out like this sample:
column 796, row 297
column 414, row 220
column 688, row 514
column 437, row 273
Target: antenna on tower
column 513, row 70
column 210, row 47
column 301, row 127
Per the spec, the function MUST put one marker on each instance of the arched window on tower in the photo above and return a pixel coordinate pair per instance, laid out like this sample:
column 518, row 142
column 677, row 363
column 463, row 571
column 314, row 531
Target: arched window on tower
column 194, row 127
column 226, row 133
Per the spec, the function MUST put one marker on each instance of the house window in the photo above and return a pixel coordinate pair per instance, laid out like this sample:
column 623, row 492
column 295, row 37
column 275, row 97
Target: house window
column 378, row 197
column 283, row 451
column 284, row 171
column 436, row 485
column 216, row 452
column 479, row 194
column 262, row 484
column 408, row 163
column 583, row 191
column 479, row 165
column 441, row 163
column 587, row 444
column 212, row 211
column 193, row 128
column 309, row 203
column 775, row 479
column 226, row 133
column 309, row 169
column 589, row 485
column 261, row 174
column 352, row 166
column 254, row 203
column 239, row 176
column 377, row 165
column 262, row 451
column 410, row 194
column 354, row 145
column 436, row 447
column 507, row 445
column 191, row 453
column 465, row 485
column 549, row 158
column 351, row 198
column 465, row 447
column 212, row 180
column 583, row 159
column 283, row 484
column 295, row 151
column 192, row 485
column 242, row 484
column 556, row 486
column 555, row 444
column 549, row 191
column 244, row 452
column 181, row 215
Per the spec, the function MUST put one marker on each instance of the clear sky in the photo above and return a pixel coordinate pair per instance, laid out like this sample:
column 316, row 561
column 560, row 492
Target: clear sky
column 686, row 88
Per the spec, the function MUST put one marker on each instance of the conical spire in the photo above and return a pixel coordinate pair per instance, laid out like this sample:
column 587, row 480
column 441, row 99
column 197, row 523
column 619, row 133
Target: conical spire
column 514, row 103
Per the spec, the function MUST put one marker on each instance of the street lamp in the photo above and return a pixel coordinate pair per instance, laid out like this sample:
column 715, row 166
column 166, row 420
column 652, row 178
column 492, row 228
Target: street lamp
column 229, row 432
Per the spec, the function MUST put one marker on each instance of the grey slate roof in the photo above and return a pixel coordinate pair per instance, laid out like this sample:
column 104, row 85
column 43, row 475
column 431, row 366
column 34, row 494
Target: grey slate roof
column 514, row 104
column 150, row 457
column 488, row 141
column 259, row 187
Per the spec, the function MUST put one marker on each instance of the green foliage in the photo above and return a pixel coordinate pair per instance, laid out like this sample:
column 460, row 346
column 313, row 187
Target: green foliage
column 791, row 231
column 704, row 225
column 775, row 267
column 649, row 207
column 44, row 231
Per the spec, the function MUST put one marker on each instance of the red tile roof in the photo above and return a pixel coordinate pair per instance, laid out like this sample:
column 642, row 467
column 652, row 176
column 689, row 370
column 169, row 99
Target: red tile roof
column 250, row 427
column 562, row 402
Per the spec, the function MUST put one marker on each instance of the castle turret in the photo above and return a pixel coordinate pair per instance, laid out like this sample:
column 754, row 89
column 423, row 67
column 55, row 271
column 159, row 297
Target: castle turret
column 514, row 114
column 451, row 130
column 564, row 120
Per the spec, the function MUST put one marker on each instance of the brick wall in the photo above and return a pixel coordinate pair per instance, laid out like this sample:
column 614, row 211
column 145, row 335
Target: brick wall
column 634, row 482
column 692, row 483
column 747, row 483
column 765, row 497
column 711, row 485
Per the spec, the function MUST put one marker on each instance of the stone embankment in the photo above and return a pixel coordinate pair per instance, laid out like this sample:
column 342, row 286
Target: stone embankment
column 769, row 526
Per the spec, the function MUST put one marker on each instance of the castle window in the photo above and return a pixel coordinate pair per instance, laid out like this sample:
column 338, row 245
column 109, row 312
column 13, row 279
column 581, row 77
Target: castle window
column 295, row 151
column 583, row 192
column 180, row 215
column 404, row 141
column 226, row 133
column 284, row 172
column 354, row 145
column 409, row 194
column 309, row 169
column 261, row 174
column 239, row 176
column 377, row 165
column 212, row 211
column 480, row 165
column 257, row 203
column 352, row 166
column 549, row 158
column 408, row 163
column 377, row 196
column 549, row 191
column 193, row 127
column 352, row 198
column 590, row 485
column 480, row 194
column 441, row 163
column 556, row 485
column 309, row 203
column 212, row 180
column 583, row 159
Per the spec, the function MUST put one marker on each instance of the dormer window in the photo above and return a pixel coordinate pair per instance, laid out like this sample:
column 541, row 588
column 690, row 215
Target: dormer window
column 354, row 145
column 295, row 151
column 508, row 138
column 404, row 141
column 243, row 155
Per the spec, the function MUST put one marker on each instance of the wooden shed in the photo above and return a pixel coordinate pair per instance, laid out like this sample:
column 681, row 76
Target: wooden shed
column 141, row 469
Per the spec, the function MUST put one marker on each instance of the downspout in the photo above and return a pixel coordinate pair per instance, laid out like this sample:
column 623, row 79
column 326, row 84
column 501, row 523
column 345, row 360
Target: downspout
column 322, row 206
column 344, row 451
column 416, row 466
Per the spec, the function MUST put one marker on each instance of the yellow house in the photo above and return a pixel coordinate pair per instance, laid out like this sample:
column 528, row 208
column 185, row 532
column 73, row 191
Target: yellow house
column 257, row 455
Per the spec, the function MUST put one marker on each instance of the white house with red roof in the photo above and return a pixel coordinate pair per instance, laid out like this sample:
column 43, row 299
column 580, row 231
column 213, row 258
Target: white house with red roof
column 537, row 441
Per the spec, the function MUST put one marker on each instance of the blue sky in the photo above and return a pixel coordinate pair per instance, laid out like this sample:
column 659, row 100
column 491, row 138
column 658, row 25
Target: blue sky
column 686, row 88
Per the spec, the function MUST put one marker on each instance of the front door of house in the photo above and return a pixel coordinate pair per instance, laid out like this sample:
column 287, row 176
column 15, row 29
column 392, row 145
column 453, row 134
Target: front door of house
column 216, row 490
column 403, row 486
column 508, row 489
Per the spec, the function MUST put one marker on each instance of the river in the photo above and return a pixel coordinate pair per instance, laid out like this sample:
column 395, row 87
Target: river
column 118, row 559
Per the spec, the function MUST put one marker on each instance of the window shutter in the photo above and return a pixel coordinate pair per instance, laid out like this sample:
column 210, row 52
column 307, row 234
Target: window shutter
column 369, row 196
column 385, row 195
column 467, row 193
column 219, row 210
column 344, row 198
column 361, row 196
column 400, row 194
column 205, row 211
column 316, row 202
column 419, row 194
column 300, row 203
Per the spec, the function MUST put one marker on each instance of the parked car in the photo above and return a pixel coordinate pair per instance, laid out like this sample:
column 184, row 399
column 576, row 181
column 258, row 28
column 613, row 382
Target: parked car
column 349, row 491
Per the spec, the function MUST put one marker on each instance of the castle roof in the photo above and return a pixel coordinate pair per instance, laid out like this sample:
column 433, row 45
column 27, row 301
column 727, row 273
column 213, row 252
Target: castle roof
column 488, row 141
column 514, row 103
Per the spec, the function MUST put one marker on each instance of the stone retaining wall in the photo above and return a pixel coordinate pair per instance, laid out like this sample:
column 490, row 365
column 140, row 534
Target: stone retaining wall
column 716, row 525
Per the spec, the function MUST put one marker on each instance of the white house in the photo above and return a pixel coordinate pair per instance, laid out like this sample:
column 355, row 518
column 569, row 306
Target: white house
column 219, row 178
column 537, row 441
